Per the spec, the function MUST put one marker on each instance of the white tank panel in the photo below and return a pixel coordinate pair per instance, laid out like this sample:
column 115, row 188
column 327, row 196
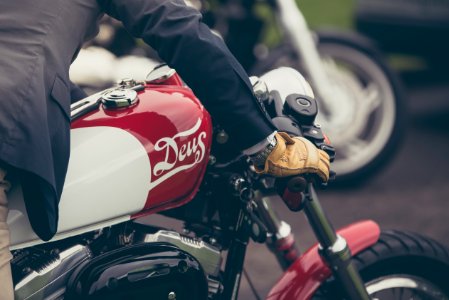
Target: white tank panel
column 107, row 180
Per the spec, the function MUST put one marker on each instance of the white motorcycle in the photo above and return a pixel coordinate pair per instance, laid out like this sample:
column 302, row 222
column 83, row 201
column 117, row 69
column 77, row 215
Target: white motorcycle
column 360, row 98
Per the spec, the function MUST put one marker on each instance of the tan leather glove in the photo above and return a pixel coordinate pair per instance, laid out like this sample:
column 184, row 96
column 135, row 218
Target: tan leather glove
column 293, row 156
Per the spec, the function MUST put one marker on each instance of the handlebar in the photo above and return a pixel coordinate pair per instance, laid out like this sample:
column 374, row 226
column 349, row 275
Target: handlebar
column 296, row 116
column 292, row 194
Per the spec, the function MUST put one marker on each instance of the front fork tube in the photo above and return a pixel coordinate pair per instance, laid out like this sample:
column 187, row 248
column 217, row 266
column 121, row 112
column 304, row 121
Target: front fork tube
column 280, row 241
column 333, row 248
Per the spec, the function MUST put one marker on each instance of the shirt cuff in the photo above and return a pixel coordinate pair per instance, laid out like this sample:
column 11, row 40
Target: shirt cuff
column 260, row 146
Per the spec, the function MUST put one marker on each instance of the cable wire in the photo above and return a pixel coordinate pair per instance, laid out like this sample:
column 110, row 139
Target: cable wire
column 251, row 285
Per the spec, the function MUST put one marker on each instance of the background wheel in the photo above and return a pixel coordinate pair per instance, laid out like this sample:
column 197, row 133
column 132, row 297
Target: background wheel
column 365, row 122
column 400, row 266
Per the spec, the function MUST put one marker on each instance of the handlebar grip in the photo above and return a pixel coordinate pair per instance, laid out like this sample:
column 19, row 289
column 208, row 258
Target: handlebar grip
column 292, row 195
column 297, row 184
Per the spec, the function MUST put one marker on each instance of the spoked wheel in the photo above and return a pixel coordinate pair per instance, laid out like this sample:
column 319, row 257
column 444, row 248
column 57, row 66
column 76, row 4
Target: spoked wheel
column 363, row 114
column 400, row 266
column 364, row 119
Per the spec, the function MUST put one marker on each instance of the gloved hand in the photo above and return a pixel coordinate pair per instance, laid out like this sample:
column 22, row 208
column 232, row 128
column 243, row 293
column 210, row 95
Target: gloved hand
column 293, row 156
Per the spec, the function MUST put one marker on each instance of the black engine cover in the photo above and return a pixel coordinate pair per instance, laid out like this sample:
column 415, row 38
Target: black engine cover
column 143, row 271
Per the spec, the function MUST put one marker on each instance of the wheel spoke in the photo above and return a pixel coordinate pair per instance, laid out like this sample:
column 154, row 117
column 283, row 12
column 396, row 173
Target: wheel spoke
column 371, row 97
column 353, row 149
column 401, row 293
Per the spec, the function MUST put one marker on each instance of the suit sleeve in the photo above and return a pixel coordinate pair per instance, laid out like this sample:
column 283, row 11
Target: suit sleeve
column 76, row 93
column 186, row 44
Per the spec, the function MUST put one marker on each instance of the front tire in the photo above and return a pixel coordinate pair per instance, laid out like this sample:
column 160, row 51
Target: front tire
column 399, row 266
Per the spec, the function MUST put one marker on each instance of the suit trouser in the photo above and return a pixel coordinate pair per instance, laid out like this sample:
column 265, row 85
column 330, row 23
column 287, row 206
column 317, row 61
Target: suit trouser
column 6, row 286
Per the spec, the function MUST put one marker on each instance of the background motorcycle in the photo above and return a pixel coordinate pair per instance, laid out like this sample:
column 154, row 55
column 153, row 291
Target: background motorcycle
column 360, row 98
column 148, row 147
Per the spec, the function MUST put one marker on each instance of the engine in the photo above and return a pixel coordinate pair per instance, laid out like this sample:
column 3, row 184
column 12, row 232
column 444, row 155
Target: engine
column 147, row 270
column 160, row 265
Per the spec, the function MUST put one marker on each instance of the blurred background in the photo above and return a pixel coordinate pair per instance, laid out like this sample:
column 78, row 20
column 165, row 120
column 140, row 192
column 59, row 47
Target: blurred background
column 405, row 183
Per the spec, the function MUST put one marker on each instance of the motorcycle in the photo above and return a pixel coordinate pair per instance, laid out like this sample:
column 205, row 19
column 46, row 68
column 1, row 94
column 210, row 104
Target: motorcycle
column 360, row 97
column 142, row 148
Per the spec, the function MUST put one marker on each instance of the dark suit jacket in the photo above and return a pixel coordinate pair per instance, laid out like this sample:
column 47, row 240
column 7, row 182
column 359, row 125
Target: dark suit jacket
column 39, row 40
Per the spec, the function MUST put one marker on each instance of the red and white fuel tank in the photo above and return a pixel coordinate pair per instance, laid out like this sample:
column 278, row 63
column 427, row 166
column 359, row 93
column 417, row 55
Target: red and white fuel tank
column 135, row 150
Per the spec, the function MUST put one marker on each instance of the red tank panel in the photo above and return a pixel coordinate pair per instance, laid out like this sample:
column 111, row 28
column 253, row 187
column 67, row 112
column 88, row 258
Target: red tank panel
column 176, row 132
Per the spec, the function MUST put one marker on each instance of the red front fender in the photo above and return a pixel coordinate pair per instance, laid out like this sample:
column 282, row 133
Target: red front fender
column 307, row 273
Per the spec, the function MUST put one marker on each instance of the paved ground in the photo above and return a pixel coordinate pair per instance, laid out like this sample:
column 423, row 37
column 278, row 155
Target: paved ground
column 412, row 193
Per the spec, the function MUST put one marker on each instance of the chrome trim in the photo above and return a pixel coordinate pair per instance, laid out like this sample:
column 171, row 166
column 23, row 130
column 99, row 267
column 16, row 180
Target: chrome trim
column 388, row 283
column 284, row 231
column 159, row 74
column 260, row 88
column 277, row 229
column 339, row 245
column 86, row 105
column 214, row 287
column 172, row 296
column 208, row 256
column 127, row 83
column 119, row 97
column 402, row 282
column 49, row 282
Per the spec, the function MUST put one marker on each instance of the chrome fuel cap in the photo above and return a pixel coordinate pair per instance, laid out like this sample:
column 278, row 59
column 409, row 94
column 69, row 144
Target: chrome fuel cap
column 119, row 98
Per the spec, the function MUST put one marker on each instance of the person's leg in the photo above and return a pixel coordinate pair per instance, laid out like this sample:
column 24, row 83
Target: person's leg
column 6, row 286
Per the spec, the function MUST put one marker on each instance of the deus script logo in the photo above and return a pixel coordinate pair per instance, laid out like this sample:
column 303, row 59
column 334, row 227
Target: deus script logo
column 179, row 155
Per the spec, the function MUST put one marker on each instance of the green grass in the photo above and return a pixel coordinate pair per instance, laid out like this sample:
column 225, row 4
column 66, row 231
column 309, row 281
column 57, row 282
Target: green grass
column 320, row 13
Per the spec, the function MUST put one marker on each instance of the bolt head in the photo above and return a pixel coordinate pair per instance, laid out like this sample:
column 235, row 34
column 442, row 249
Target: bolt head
column 171, row 296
